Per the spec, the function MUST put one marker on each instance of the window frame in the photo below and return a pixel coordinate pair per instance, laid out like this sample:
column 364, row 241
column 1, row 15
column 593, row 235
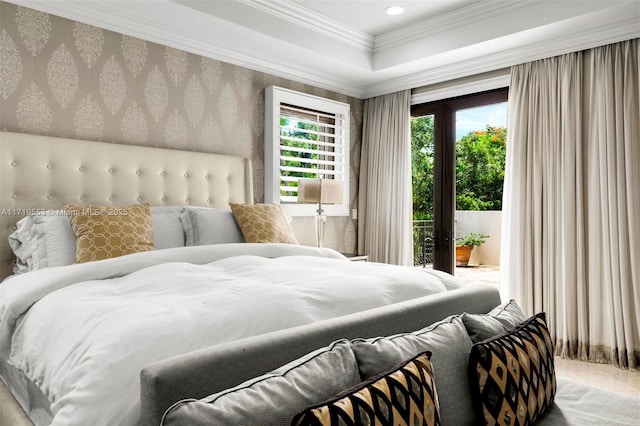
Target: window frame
column 274, row 98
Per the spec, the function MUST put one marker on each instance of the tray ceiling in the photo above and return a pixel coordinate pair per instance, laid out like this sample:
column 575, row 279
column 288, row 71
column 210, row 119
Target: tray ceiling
column 353, row 46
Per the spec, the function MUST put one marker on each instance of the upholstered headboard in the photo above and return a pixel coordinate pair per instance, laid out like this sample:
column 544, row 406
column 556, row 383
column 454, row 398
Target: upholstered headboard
column 40, row 172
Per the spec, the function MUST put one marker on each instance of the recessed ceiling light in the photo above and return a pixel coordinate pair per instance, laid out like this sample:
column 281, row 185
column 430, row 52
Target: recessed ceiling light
column 394, row 10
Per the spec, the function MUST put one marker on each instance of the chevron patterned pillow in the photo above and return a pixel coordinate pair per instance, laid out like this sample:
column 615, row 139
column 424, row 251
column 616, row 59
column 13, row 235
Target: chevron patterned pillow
column 512, row 375
column 404, row 396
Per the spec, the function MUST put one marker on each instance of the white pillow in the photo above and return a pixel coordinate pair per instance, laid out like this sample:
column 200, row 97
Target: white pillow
column 203, row 225
column 42, row 241
column 47, row 240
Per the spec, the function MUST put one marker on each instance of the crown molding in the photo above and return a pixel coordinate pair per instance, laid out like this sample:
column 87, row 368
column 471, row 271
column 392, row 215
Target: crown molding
column 298, row 14
column 455, row 19
column 589, row 37
column 228, row 42
column 108, row 16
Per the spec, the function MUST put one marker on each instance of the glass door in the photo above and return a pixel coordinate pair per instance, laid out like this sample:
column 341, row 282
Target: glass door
column 422, row 168
column 481, row 136
column 438, row 205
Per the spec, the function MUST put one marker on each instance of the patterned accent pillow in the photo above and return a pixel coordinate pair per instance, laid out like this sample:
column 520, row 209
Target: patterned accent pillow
column 263, row 223
column 105, row 232
column 405, row 395
column 512, row 376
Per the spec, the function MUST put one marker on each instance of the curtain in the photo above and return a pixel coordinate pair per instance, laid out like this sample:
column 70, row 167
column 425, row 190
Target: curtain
column 571, row 209
column 385, row 209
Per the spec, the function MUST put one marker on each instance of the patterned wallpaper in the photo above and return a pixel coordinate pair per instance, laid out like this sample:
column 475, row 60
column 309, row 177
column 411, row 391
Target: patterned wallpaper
column 68, row 79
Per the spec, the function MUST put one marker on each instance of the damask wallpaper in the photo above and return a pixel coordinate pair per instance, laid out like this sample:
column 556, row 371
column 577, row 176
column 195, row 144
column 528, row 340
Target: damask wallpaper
column 68, row 79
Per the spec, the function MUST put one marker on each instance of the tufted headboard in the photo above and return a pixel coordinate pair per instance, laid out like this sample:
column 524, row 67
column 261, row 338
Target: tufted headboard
column 41, row 172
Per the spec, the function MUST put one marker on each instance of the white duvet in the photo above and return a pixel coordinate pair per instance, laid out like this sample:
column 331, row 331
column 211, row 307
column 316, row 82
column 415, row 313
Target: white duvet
column 82, row 333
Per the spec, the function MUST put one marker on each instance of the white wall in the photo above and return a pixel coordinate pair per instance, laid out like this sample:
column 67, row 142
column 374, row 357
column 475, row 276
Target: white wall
column 482, row 222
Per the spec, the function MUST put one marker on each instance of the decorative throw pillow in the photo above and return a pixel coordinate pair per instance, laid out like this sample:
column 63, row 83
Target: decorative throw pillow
column 405, row 395
column 104, row 232
column 263, row 223
column 499, row 320
column 273, row 398
column 450, row 344
column 512, row 376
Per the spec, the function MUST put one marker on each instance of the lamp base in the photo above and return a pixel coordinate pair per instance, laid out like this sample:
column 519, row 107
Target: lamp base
column 320, row 221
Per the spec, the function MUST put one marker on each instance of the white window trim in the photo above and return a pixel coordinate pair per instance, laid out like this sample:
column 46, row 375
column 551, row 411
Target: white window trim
column 274, row 97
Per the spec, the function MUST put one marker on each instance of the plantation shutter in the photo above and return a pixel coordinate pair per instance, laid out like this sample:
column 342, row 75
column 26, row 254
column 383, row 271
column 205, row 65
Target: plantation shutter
column 311, row 147
column 306, row 137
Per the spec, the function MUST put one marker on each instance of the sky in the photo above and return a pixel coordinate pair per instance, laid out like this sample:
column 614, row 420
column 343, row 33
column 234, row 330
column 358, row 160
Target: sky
column 468, row 120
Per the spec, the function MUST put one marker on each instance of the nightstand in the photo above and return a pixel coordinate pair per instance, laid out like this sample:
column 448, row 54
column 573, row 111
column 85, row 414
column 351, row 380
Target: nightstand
column 356, row 257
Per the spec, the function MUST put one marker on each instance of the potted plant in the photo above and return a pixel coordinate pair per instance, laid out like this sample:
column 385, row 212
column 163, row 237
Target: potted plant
column 464, row 246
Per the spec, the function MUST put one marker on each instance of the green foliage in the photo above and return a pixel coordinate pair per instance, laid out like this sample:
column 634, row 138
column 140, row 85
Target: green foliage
column 422, row 167
column 472, row 239
column 289, row 130
column 480, row 158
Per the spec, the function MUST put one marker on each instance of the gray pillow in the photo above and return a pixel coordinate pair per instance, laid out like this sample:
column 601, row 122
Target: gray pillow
column 450, row 344
column 499, row 320
column 203, row 225
column 276, row 397
column 167, row 228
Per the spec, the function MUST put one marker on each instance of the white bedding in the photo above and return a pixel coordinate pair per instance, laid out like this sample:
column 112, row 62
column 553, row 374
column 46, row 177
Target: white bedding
column 82, row 333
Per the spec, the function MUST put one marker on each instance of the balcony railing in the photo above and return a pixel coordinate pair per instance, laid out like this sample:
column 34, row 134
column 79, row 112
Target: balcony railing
column 422, row 242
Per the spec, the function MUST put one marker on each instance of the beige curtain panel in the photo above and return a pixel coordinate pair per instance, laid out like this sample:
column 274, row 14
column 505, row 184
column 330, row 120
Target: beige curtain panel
column 385, row 209
column 571, row 213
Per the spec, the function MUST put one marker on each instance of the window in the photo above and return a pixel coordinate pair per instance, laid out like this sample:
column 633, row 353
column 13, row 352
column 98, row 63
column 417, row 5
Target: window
column 306, row 137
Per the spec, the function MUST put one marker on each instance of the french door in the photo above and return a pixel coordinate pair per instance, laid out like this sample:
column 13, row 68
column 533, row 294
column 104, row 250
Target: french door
column 444, row 190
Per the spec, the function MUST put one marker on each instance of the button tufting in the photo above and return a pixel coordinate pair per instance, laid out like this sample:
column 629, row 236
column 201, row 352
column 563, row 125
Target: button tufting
column 187, row 200
column 48, row 197
column 49, row 166
column 163, row 174
column 164, row 199
column 81, row 169
column 139, row 199
column 228, row 178
column 82, row 198
column 111, row 198
column 110, row 170
column 13, row 164
column 186, row 175
column 14, row 196
column 208, row 200
column 137, row 172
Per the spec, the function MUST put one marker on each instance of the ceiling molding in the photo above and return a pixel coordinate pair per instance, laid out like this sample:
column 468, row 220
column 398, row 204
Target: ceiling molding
column 348, row 67
column 298, row 14
column 108, row 16
column 457, row 18
column 587, row 38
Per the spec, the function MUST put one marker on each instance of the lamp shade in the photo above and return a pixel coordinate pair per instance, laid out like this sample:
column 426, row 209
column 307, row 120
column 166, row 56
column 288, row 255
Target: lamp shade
column 325, row 191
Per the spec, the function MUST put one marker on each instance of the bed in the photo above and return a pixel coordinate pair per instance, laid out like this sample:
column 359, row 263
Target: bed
column 74, row 337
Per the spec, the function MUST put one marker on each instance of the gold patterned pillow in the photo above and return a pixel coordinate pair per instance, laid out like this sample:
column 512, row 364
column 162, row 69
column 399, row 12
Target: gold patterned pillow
column 104, row 232
column 513, row 376
column 263, row 223
column 404, row 396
